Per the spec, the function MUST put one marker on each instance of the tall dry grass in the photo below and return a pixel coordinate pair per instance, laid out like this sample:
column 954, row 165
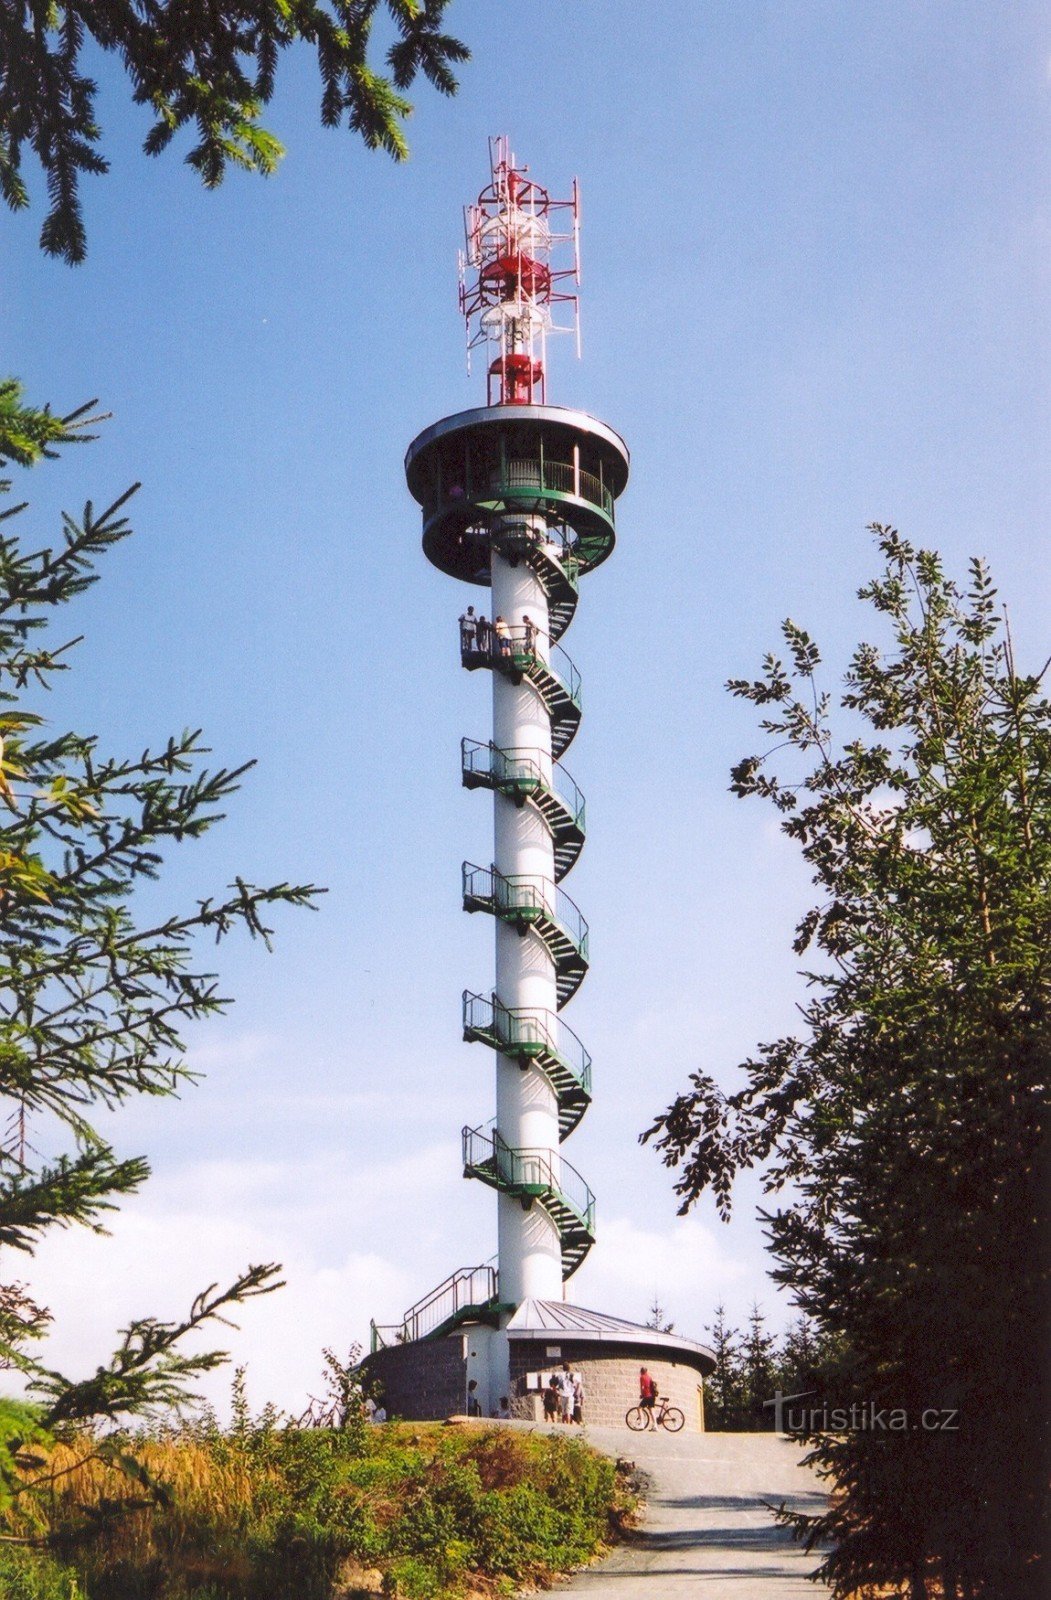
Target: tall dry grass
column 110, row 1524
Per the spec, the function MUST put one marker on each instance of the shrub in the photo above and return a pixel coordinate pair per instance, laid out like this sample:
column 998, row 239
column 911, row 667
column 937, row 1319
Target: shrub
column 34, row 1575
column 266, row 1512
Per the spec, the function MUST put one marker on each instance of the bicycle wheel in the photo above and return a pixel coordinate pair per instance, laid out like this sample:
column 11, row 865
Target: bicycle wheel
column 636, row 1419
column 672, row 1419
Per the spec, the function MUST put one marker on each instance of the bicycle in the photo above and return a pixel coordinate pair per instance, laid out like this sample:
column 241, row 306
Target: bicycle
column 664, row 1416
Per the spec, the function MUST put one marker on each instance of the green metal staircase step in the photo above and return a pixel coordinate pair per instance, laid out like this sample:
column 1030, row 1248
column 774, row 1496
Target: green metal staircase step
column 528, row 904
column 519, row 775
column 489, row 1313
column 534, row 1037
column 550, row 562
column 470, row 1294
column 556, row 681
column 540, row 1177
column 563, row 707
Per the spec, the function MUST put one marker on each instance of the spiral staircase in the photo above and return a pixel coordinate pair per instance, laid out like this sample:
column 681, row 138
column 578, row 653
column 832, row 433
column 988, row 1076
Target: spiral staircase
column 531, row 1037
column 534, row 486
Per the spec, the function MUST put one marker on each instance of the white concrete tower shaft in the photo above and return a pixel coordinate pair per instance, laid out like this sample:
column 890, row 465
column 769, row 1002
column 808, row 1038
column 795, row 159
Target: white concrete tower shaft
column 530, row 1257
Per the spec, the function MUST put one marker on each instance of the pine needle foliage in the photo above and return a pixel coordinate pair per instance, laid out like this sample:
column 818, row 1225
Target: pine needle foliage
column 94, row 998
column 905, row 1128
column 206, row 64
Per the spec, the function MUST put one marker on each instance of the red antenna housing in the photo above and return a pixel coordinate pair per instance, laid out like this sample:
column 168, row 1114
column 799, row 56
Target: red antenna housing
column 508, row 284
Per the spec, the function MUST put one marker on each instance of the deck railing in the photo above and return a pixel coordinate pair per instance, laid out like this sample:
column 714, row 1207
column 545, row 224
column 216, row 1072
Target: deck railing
column 528, row 1170
column 468, row 1287
column 521, row 897
column 519, row 768
column 519, row 648
column 527, row 1027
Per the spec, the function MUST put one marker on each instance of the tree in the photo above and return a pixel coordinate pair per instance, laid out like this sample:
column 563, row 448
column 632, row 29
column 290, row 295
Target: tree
column 759, row 1364
column 207, row 63
column 905, row 1129
column 658, row 1317
column 804, row 1362
column 724, row 1387
column 92, row 998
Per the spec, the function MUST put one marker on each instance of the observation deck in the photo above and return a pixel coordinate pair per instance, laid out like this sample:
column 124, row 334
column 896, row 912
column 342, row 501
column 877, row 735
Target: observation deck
column 480, row 469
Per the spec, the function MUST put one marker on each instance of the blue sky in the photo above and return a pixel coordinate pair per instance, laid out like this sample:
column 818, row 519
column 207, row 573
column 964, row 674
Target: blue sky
column 815, row 248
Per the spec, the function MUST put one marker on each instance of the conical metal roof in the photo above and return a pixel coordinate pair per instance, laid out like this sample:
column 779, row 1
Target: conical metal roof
column 543, row 1319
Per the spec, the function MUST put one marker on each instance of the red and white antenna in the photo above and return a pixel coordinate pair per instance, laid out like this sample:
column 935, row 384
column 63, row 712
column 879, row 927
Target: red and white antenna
column 521, row 247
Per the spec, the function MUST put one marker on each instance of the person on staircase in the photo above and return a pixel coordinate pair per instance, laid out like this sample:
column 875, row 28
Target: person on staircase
column 468, row 631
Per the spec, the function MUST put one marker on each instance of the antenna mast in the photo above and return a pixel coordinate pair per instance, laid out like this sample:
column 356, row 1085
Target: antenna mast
column 522, row 248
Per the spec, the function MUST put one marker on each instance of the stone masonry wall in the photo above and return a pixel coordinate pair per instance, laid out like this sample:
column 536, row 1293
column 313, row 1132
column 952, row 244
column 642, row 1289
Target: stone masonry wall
column 611, row 1380
column 420, row 1381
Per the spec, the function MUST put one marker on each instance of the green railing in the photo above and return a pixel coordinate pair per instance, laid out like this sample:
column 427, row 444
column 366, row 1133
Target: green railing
column 518, row 649
column 540, row 1173
column 528, row 1030
column 469, row 1288
column 557, row 477
column 552, row 544
column 518, row 770
column 520, row 898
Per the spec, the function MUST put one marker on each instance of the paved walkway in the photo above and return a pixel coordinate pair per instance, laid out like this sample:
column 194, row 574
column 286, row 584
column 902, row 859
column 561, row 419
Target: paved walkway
column 707, row 1534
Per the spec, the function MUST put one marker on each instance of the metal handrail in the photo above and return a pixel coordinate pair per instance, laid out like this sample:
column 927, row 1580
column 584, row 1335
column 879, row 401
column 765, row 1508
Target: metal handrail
column 525, row 1025
column 592, row 489
column 530, row 1169
column 503, row 766
column 522, row 474
column 517, row 765
column 521, row 893
column 518, row 645
column 567, row 791
column 525, row 472
column 561, row 477
column 467, row 1286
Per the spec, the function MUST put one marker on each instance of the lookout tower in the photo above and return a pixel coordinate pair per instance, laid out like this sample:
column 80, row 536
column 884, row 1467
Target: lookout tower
column 518, row 500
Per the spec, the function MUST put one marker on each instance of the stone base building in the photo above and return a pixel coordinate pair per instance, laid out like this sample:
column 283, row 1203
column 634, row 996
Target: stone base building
column 427, row 1379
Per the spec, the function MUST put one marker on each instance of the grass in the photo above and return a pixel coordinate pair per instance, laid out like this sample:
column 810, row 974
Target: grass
column 421, row 1511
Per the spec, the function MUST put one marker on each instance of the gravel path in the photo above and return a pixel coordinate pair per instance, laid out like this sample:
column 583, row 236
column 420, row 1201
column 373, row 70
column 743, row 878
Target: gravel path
column 707, row 1534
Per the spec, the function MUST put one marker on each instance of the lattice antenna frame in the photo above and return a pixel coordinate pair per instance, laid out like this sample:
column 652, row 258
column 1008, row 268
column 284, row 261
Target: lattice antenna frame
column 521, row 251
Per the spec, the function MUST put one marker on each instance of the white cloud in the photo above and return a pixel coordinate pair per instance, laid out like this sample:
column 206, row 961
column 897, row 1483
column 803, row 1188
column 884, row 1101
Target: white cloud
column 232, row 1049
column 354, row 1240
column 685, row 1266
